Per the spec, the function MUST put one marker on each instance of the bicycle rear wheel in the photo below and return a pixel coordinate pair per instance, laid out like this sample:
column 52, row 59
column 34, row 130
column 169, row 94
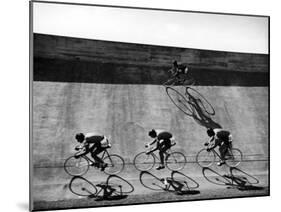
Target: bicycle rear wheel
column 234, row 157
column 205, row 158
column 175, row 161
column 115, row 164
column 82, row 187
column 179, row 100
column 144, row 162
column 76, row 166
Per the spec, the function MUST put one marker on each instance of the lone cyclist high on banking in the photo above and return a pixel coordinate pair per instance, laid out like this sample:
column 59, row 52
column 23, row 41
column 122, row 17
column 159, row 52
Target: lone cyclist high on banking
column 163, row 140
column 178, row 70
column 221, row 138
column 94, row 144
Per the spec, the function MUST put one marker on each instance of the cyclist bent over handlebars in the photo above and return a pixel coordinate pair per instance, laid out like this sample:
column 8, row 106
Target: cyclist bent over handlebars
column 163, row 140
column 221, row 138
column 94, row 144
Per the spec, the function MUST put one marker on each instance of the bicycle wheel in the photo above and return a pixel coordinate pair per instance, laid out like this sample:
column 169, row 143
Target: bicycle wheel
column 169, row 82
column 121, row 185
column 175, row 161
column 234, row 158
column 200, row 99
column 185, row 180
column 144, row 162
column 76, row 166
column 115, row 164
column 205, row 158
column 179, row 101
column 82, row 187
column 151, row 182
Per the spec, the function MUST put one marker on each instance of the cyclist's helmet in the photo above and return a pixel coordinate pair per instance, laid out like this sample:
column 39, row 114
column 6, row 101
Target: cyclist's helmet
column 210, row 132
column 152, row 133
column 80, row 137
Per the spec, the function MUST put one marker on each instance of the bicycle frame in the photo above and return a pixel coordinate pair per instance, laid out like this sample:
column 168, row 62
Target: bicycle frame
column 104, row 153
column 218, row 155
column 168, row 151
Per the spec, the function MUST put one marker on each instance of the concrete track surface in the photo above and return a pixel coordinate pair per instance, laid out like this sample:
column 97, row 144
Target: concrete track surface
column 125, row 113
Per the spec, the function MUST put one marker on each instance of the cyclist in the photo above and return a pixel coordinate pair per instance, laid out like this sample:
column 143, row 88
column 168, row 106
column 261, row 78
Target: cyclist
column 163, row 140
column 179, row 70
column 221, row 138
column 94, row 144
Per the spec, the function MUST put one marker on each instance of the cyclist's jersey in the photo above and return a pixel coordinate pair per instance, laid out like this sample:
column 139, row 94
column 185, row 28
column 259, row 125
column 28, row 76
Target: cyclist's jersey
column 181, row 69
column 221, row 136
column 92, row 138
column 164, row 136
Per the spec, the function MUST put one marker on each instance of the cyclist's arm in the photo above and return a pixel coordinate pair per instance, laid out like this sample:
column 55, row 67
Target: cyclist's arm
column 83, row 149
column 153, row 142
column 211, row 143
column 214, row 143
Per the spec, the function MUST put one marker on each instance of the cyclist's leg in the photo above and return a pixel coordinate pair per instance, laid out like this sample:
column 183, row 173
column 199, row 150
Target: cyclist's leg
column 223, row 150
column 161, row 155
column 97, row 150
column 166, row 144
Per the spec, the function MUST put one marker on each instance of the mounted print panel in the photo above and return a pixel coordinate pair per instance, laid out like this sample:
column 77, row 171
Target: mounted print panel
column 138, row 105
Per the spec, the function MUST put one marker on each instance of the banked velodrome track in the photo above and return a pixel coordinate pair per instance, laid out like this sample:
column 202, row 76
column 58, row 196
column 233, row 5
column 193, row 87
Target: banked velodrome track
column 121, row 96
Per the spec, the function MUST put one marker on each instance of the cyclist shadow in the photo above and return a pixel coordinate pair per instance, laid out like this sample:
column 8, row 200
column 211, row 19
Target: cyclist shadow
column 199, row 113
column 178, row 183
column 235, row 179
column 114, row 188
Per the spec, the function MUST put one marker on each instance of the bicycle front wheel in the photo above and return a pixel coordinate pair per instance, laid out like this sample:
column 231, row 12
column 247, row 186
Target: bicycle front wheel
column 115, row 164
column 205, row 158
column 82, row 187
column 76, row 166
column 234, row 157
column 175, row 161
column 144, row 162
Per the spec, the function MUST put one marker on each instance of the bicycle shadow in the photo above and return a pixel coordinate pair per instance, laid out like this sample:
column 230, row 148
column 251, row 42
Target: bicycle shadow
column 236, row 179
column 199, row 112
column 114, row 188
column 178, row 183
column 193, row 104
